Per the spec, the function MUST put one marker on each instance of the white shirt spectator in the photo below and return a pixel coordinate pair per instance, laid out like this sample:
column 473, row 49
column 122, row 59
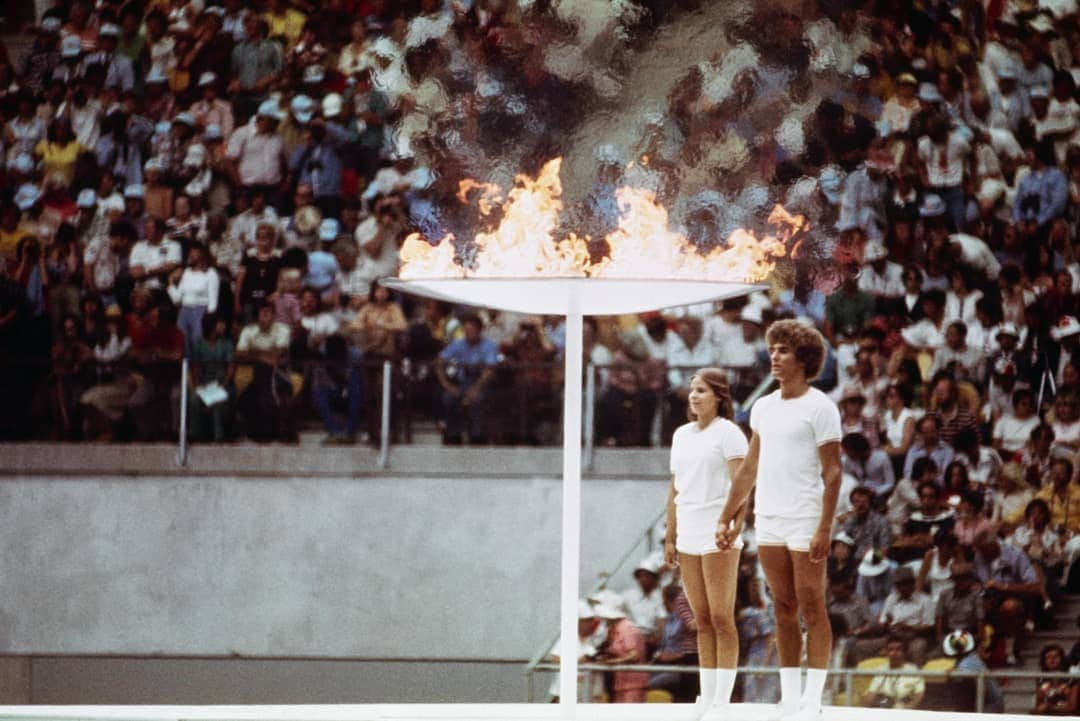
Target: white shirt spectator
column 196, row 288
column 244, row 225
column 644, row 610
column 153, row 257
column 886, row 284
column 976, row 253
column 683, row 362
column 918, row 610
column 944, row 165
column 260, row 158
column 957, row 309
column 252, row 338
column 1013, row 433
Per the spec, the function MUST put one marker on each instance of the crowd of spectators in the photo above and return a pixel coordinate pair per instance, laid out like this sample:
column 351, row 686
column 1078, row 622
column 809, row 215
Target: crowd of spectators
column 227, row 182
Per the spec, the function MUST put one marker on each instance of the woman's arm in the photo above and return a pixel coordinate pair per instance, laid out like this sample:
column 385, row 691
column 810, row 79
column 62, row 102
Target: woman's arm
column 671, row 558
column 741, row 485
column 924, row 569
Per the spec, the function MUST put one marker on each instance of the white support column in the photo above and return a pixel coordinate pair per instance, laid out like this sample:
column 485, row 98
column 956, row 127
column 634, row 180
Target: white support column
column 571, row 515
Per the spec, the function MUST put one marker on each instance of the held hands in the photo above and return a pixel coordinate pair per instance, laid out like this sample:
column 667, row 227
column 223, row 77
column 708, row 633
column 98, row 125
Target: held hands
column 671, row 557
column 819, row 546
column 727, row 532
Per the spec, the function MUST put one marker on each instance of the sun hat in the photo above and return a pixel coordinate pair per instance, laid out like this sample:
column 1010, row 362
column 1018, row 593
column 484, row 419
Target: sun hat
column 649, row 564
column 958, row 643
column 70, row 46
column 303, row 108
column 307, row 219
column 929, row 93
column 1067, row 326
column 872, row 566
column 328, row 230
column 87, row 198
column 332, row 105
column 27, row 195
column 207, row 78
column 932, row 206
column 135, row 190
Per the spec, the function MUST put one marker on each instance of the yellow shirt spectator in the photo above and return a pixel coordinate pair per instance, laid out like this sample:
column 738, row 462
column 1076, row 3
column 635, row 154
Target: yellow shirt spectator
column 1064, row 509
column 59, row 158
column 287, row 24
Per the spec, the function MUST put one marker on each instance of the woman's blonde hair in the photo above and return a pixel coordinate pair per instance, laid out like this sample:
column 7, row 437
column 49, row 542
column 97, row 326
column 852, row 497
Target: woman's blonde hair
column 717, row 381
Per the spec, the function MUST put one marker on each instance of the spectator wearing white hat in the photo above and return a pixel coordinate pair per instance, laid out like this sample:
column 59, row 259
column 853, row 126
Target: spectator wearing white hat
column 1011, row 100
column 1032, row 72
column 320, row 161
column 624, row 645
column 154, row 259
column 38, row 64
column 119, row 73
column 590, row 687
column 880, row 276
column 644, row 601
column 943, row 154
column 210, row 109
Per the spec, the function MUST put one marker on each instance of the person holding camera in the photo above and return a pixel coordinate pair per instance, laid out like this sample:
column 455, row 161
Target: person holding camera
column 895, row 691
column 1055, row 696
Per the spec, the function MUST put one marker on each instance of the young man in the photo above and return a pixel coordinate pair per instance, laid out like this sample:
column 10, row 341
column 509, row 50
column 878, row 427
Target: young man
column 794, row 459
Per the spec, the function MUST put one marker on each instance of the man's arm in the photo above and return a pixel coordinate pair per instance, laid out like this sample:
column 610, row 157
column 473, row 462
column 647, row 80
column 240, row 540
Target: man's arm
column 741, row 485
column 829, row 453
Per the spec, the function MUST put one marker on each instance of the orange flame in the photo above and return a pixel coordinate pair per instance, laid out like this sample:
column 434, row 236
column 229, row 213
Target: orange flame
column 642, row 246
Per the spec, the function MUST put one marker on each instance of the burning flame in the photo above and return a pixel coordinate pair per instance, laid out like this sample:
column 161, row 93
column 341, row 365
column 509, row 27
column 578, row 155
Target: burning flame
column 642, row 246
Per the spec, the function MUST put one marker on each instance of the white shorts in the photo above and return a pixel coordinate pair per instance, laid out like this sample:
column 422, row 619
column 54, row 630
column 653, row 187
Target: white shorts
column 695, row 529
column 792, row 533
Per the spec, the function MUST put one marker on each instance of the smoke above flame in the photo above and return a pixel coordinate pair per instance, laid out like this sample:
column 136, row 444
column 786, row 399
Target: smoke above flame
column 527, row 241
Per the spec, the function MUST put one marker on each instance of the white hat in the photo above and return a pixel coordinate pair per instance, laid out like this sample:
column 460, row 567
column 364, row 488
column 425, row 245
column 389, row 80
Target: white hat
column 22, row 163
column 134, row 191
column 156, row 76
column 751, row 314
column 1067, row 326
column 212, row 132
column 303, row 108
column 609, row 611
column 957, row 643
column 87, row 198
column 27, row 195
column 1039, row 92
column 186, row 118
column 1041, row 23
column 328, row 230
column 269, row 109
column 1007, row 329
column 585, row 610
column 109, row 30
column 314, row 74
column 207, row 78
column 331, row 105
column 929, row 93
column 844, row 538
column 153, row 165
column 162, row 127
column 875, row 251
column 1007, row 72
column 650, row 564
column 70, row 46
column 872, row 567
column 50, row 24
column 992, row 190
column 859, row 70
column 932, row 206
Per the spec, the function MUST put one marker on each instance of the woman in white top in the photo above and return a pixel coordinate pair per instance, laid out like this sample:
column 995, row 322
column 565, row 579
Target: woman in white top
column 195, row 290
column 705, row 454
column 898, row 420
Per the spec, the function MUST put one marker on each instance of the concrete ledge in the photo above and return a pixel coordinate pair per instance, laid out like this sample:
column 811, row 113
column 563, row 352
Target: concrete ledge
column 332, row 461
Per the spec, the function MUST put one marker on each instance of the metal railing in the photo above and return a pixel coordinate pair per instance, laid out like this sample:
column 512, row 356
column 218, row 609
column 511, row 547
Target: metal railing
column 848, row 675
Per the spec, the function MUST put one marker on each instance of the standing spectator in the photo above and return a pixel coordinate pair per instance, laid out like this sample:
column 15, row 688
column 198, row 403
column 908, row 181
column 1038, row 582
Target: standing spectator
column 153, row 260
column 866, row 526
column 898, row 421
column 465, row 370
column 337, row 385
column 909, row 615
column 944, row 154
column 258, row 276
column 257, row 63
column 1042, row 194
column 687, row 351
column 195, row 290
column 380, row 325
column 257, row 153
column 211, row 367
column 212, row 110
column 962, row 691
column 265, row 345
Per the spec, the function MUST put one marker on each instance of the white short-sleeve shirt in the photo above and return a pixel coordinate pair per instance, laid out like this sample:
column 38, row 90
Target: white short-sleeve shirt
column 699, row 461
column 789, row 483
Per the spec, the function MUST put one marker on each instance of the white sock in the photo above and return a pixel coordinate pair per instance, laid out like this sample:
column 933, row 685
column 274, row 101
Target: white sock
column 725, row 682
column 708, row 685
column 815, row 686
column 790, row 688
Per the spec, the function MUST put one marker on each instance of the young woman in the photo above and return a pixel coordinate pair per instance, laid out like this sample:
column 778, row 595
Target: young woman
column 794, row 460
column 705, row 455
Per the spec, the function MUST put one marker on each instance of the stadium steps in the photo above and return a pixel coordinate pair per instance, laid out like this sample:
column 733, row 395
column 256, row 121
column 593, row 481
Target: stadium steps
column 1020, row 693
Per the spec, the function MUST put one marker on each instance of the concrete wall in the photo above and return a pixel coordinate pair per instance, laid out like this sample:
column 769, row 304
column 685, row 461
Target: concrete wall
column 387, row 567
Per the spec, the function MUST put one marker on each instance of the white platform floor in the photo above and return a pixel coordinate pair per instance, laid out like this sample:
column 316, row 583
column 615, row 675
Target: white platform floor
column 440, row 712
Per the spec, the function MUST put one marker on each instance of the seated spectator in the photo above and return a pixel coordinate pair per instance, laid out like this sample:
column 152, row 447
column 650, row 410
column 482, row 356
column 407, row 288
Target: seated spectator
column 961, row 691
column 1012, row 430
column 935, row 571
column 379, row 326
column 1011, row 586
column 866, row 526
column 1055, row 696
column 337, row 386
column 905, row 497
column 1037, row 456
column 928, row 444
column 1010, row 498
column 157, row 347
column 589, row 686
column 871, row 468
column 970, row 520
column 932, row 516
column 644, row 602
column 1065, row 421
column 624, row 645
column 465, row 370
column 265, row 402
column 677, row 647
column 952, row 407
column 316, row 325
column 853, row 609
column 153, row 260
column 956, row 357
column 842, row 560
column 895, row 691
column 71, row 375
column 852, row 419
column 908, row 615
column 1042, row 545
column 211, row 373
column 961, row 605
column 1062, row 496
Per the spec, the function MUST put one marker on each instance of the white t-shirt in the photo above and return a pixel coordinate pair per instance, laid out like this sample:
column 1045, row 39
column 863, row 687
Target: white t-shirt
column 1013, row 432
column 699, row 461
column 153, row 257
column 789, row 483
column 947, row 171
